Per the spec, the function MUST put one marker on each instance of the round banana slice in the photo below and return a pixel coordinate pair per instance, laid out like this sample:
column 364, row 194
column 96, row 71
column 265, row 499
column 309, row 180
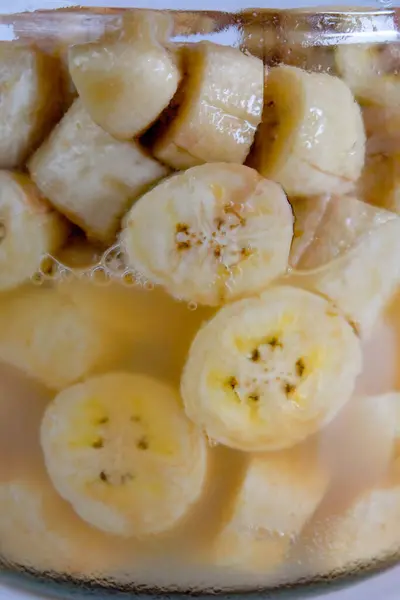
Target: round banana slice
column 110, row 73
column 267, row 372
column 279, row 494
column 344, row 223
column 30, row 101
column 52, row 339
column 91, row 177
column 130, row 467
column 371, row 71
column 362, row 281
column 211, row 234
column 218, row 108
column 367, row 531
column 29, row 229
column 312, row 138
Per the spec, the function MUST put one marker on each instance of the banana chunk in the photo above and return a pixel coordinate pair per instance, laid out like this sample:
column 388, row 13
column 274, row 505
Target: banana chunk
column 219, row 110
column 380, row 181
column 125, row 83
column 89, row 176
column 51, row 338
column 344, row 222
column 371, row 71
column 312, row 138
column 362, row 281
column 367, row 531
column 267, row 372
column 130, row 467
column 279, row 494
column 29, row 229
column 212, row 234
column 359, row 444
column 30, row 101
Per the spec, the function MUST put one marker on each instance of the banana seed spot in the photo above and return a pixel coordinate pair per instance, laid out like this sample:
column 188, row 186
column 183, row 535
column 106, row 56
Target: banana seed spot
column 290, row 389
column 104, row 477
column 255, row 355
column 3, row 231
column 300, row 367
column 232, row 382
column 99, row 443
column 143, row 444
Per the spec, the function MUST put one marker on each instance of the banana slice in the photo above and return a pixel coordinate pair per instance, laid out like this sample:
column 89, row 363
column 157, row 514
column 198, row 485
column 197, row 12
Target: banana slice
column 30, row 101
column 366, row 532
column 344, row 222
column 212, row 234
column 312, row 138
column 218, row 110
column 108, row 74
column 130, row 468
column 361, row 281
column 29, row 229
column 267, row 372
column 279, row 494
column 53, row 339
column 308, row 214
column 359, row 445
column 371, row 71
column 380, row 181
column 89, row 176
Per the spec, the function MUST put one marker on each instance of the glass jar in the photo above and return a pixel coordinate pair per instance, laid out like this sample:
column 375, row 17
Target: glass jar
column 199, row 318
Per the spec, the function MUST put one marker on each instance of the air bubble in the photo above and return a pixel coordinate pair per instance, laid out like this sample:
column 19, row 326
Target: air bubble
column 148, row 285
column 113, row 260
column 192, row 306
column 99, row 276
column 37, row 278
column 128, row 278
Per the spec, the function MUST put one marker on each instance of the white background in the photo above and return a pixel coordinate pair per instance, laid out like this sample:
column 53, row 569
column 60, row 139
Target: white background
column 381, row 587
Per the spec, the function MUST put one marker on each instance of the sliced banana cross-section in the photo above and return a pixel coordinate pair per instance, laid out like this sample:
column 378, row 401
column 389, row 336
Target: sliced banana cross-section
column 219, row 108
column 312, row 138
column 211, row 234
column 29, row 229
column 89, row 176
column 119, row 448
column 51, row 338
column 279, row 494
column 361, row 281
column 372, row 72
column 267, row 372
column 30, row 101
column 125, row 83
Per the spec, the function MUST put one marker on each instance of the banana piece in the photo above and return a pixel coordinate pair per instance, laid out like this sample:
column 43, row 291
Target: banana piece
column 52, row 339
column 308, row 214
column 380, row 181
column 359, row 444
column 30, row 101
column 382, row 126
column 279, row 494
column 219, row 108
column 371, row 71
column 343, row 223
column 312, row 138
column 267, row 372
column 365, row 532
column 89, row 176
column 110, row 73
column 29, row 229
column 362, row 281
column 212, row 234
column 131, row 468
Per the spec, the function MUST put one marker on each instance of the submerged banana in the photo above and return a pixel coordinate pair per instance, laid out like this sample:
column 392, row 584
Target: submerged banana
column 218, row 108
column 267, row 372
column 89, row 176
column 29, row 229
column 312, row 138
column 119, row 448
column 212, row 234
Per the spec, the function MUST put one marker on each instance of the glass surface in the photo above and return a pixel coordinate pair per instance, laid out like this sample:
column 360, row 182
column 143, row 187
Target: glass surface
column 199, row 299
